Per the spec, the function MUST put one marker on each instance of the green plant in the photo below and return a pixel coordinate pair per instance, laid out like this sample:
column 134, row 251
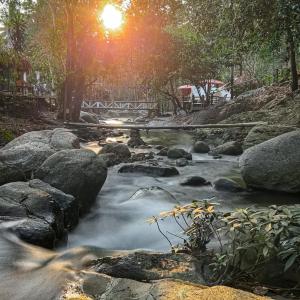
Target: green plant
column 196, row 222
column 6, row 135
column 257, row 237
column 250, row 240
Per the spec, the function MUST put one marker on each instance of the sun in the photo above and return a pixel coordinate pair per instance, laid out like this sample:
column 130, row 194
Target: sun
column 111, row 17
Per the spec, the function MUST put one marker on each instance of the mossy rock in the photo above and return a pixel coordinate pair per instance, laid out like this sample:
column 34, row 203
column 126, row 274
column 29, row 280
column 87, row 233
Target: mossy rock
column 5, row 136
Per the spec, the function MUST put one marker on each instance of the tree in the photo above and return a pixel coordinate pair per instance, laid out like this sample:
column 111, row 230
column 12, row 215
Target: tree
column 265, row 22
column 72, row 44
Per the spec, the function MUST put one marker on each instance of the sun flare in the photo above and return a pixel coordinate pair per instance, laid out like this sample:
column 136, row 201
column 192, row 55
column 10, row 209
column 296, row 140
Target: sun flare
column 111, row 17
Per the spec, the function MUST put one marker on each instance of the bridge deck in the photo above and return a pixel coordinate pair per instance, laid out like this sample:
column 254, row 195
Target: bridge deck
column 145, row 127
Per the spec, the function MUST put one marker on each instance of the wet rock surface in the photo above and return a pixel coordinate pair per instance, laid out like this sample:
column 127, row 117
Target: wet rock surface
column 10, row 173
column 149, row 276
column 229, row 148
column 194, row 181
column 80, row 173
column 46, row 211
column 150, row 266
column 260, row 134
column 135, row 140
column 163, row 152
column 119, row 289
column 121, row 151
column 141, row 157
column 154, row 170
column 176, row 153
column 27, row 152
column 182, row 162
column 88, row 118
column 229, row 185
column 33, row 230
column 201, row 147
column 274, row 164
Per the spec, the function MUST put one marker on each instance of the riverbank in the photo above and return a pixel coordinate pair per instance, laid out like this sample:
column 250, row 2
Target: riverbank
column 114, row 188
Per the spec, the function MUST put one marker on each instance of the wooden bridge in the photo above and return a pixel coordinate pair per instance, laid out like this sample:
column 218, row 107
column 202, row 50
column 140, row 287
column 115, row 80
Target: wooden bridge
column 118, row 105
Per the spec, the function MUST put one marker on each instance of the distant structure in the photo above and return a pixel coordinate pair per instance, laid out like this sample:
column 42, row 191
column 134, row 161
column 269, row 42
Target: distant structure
column 207, row 93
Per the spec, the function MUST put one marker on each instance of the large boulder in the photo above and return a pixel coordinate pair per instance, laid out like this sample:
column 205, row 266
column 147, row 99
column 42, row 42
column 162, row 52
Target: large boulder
column 68, row 204
column 149, row 276
column 201, row 147
column 228, row 185
column 150, row 170
column 176, row 153
column 10, row 173
column 229, row 148
column 80, row 173
column 146, row 266
column 274, row 164
column 109, row 288
column 44, row 209
column 27, row 152
column 121, row 151
column 262, row 133
column 88, row 118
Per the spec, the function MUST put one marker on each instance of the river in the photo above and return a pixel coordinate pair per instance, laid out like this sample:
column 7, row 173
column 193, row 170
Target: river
column 126, row 201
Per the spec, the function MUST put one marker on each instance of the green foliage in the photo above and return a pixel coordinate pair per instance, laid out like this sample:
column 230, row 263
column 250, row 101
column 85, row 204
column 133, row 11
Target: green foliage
column 259, row 237
column 6, row 135
column 196, row 221
column 250, row 240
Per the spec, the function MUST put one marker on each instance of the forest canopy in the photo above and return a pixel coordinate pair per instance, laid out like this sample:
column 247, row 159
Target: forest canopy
column 157, row 44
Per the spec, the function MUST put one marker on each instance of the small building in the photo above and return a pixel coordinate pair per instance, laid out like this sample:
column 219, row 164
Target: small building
column 205, row 94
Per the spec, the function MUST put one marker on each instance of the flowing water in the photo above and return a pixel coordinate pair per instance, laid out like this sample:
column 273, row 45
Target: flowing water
column 126, row 201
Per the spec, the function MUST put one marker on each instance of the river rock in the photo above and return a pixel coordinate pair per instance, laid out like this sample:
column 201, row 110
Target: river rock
column 110, row 288
column 201, row 147
column 52, row 211
column 33, row 230
column 141, row 156
column 229, row 148
column 144, row 266
column 27, row 152
column 159, row 147
column 110, row 159
column 88, row 118
column 10, row 173
column 262, row 133
column 163, row 152
column 194, row 181
column 150, row 170
column 150, row 195
column 135, row 140
column 227, row 184
column 149, row 276
column 121, row 151
column 176, row 153
column 274, row 164
column 80, row 173
column 182, row 162
column 67, row 203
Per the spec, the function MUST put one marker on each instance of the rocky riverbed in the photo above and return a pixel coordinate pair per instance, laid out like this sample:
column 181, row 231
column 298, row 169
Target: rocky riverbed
column 102, row 192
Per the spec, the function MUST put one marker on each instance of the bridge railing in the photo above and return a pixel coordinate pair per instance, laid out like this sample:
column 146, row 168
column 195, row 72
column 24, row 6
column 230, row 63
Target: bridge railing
column 118, row 105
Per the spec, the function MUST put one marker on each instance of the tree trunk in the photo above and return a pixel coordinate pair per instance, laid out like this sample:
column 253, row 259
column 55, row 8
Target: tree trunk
column 68, row 91
column 293, row 61
column 232, row 81
column 79, row 91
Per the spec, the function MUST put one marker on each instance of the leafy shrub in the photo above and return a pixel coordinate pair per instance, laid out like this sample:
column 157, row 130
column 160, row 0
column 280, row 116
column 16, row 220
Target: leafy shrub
column 196, row 222
column 254, row 239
